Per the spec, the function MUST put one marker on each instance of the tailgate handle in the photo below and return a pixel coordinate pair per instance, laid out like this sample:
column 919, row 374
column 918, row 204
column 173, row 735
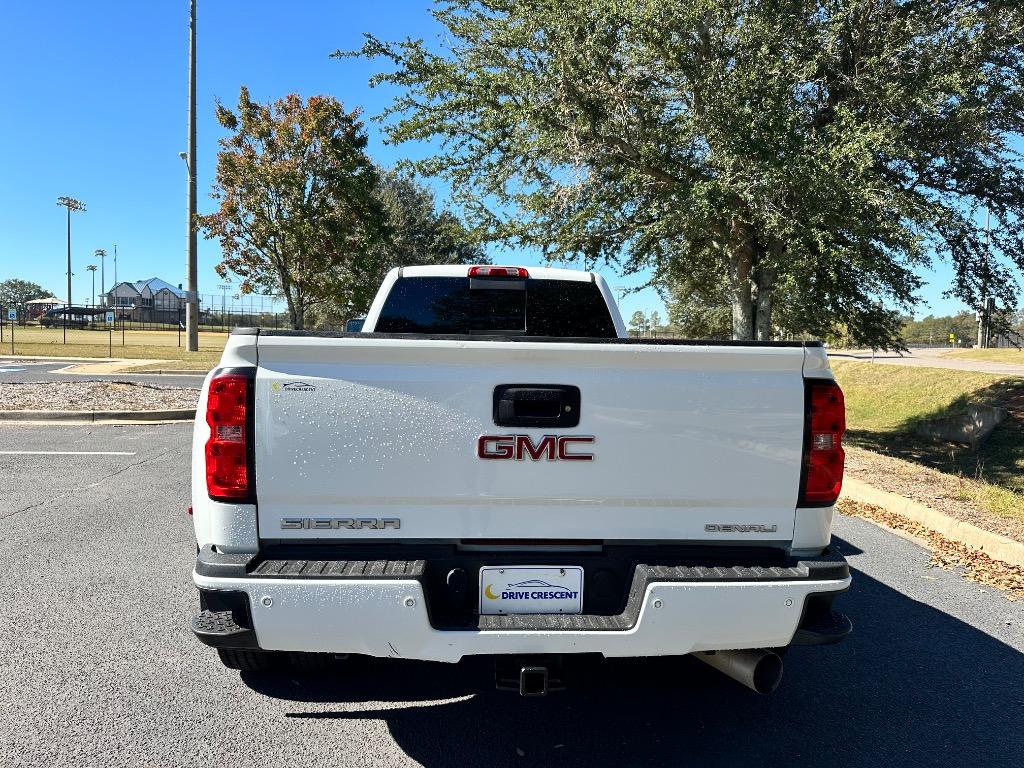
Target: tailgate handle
column 536, row 405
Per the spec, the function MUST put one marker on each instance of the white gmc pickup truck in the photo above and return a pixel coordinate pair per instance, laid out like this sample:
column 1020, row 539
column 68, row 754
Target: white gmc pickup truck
column 492, row 467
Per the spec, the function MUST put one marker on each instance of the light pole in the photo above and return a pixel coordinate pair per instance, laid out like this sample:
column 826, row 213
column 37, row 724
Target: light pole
column 983, row 314
column 92, row 268
column 191, row 306
column 223, row 304
column 102, row 254
column 72, row 205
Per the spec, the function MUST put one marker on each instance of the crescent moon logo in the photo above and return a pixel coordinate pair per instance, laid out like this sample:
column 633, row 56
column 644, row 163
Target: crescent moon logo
column 490, row 595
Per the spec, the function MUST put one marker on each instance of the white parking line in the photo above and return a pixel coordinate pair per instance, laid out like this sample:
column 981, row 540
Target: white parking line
column 67, row 453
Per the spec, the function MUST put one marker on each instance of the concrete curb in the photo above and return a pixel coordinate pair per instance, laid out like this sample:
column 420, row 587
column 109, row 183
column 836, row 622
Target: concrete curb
column 994, row 545
column 71, row 370
column 99, row 417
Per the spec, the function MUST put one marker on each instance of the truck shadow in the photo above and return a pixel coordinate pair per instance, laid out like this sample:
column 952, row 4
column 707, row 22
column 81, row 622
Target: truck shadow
column 911, row 686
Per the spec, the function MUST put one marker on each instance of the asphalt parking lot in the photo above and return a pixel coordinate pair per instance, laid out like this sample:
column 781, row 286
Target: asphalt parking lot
column 99, row 667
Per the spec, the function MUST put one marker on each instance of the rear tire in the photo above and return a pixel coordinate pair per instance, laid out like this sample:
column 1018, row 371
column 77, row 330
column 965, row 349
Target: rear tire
column 246, row 661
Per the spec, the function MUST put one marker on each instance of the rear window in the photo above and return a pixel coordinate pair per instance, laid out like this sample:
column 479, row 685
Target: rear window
column 459, row 305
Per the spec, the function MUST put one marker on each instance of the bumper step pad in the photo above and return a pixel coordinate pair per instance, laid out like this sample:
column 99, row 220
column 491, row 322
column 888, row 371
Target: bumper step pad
column 824, row 629
column 219, row 629
column 340, row 569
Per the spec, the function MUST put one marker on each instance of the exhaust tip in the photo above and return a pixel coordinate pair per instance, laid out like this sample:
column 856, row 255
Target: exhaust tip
column 767, row 673
column 759, row 670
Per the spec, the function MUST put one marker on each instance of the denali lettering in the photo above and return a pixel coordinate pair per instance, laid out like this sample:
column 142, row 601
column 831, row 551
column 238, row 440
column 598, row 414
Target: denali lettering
column 521, row 447
column 739, row 528
column 335, row 523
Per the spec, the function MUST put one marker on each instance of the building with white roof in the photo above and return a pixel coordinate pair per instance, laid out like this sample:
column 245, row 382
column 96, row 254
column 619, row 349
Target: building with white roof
column 148, row 301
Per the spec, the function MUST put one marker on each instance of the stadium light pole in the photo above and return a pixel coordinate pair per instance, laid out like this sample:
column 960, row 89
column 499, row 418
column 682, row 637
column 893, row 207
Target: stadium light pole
column 102, row 255
column 72, row 205
column 191, row 305
column 92, row 296
column 223, row 304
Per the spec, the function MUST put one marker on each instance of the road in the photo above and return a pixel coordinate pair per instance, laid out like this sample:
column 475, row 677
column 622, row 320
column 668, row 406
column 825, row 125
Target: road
column 15, row 371
column 99, row 667
column 931, row 358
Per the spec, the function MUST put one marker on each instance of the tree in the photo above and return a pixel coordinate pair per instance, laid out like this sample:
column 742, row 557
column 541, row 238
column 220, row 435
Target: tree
column 694, row 317
column 823, row 152
column 638, row 323
column 298, row 209
column 15, row 292
column 416, row 234
column 936, row 330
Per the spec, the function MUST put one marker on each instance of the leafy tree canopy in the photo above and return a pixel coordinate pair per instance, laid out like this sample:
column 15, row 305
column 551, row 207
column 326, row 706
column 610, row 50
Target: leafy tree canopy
column 815, row 155
column 638, row 323
column 15, row 292
column 417, row 234
column 298, row 209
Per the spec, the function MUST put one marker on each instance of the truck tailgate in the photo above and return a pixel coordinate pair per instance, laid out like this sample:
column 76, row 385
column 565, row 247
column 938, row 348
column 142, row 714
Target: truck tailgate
column 685, row 438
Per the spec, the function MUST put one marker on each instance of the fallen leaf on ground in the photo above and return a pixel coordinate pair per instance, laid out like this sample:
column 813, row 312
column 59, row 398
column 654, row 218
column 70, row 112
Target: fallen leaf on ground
column 975, row 564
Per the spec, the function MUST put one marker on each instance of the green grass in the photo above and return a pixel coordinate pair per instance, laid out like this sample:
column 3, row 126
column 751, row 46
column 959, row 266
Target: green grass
column 151, row 345
column 988, row 355
column 884, row 403
column 889, row 398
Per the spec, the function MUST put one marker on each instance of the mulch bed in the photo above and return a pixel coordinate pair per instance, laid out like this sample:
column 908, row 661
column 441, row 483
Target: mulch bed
column 939, row 490
column 94, row 396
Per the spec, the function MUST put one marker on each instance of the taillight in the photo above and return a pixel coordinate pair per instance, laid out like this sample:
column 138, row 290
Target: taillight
column 823, row 453
column 227, row 455
column 488, row 271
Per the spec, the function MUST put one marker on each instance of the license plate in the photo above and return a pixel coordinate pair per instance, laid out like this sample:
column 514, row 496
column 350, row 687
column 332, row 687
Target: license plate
column 531, row 589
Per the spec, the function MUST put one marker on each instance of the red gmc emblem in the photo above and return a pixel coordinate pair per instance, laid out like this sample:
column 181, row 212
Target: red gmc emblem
column 520, row 447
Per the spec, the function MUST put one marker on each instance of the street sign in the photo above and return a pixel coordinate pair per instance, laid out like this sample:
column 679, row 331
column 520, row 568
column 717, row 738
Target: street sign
column 952, row 338
column 110, row 317
column 12, row 315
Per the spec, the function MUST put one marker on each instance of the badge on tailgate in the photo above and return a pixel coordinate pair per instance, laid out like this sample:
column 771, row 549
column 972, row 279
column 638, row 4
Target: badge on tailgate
column 522, row 447
column 531, row 589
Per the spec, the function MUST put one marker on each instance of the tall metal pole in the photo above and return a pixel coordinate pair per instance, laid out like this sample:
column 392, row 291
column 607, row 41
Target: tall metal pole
column 92, row 300
column 72, row 205
column 67, row 309
column 191, row 307
column 115, row 265
column 983, row 313
column 102, row 253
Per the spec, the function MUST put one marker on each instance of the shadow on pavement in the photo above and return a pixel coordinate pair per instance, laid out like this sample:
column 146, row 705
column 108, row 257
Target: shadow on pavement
column 911, row 686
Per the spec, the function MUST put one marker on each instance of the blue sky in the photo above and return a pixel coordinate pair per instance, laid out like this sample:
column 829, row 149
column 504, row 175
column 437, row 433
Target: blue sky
column 96, row 98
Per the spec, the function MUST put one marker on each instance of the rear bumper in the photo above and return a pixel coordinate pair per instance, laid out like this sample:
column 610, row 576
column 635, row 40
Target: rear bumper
column 383, row 611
